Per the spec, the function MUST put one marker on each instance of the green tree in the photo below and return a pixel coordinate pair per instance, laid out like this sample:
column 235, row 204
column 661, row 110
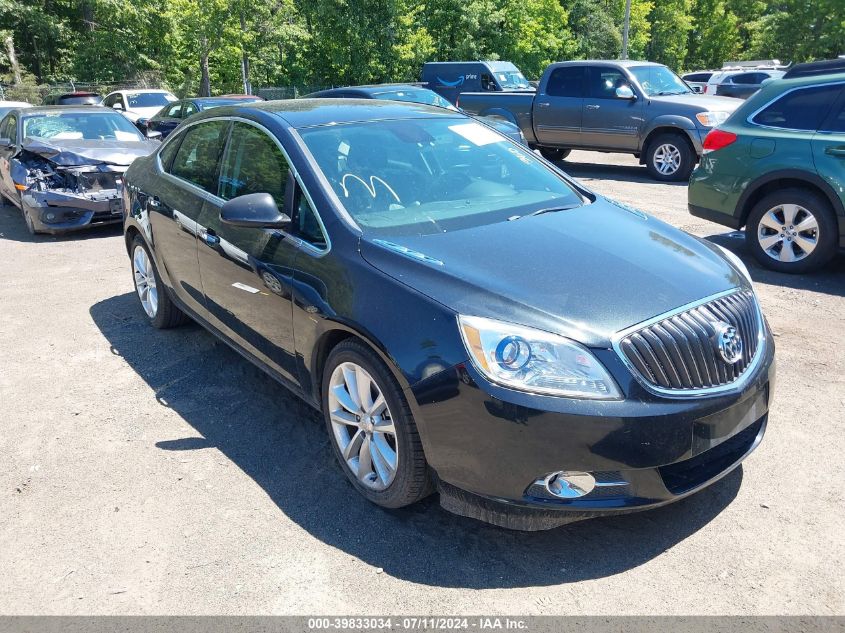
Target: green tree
column 714, row 37
column 670, row 24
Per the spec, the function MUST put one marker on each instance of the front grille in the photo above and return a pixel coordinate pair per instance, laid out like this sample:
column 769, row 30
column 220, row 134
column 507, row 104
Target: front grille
column 680, row 353
column 682, row 477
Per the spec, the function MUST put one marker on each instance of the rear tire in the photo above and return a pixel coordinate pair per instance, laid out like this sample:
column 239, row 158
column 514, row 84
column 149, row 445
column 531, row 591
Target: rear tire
column 670, row 158
column 353, row 379
column 154, row 296
column 792, row 231
column 554, row 154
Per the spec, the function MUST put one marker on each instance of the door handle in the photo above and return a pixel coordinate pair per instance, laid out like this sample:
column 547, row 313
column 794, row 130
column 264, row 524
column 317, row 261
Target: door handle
column 154, row 202
column 836, row 151
column 593, row 106
column 543, row 104
column 210, row 238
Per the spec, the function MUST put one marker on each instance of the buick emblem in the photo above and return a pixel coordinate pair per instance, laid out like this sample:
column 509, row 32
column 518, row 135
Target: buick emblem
column 728, row 342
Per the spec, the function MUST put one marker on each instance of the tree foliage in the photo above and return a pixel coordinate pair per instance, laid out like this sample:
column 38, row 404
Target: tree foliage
column 202, row 46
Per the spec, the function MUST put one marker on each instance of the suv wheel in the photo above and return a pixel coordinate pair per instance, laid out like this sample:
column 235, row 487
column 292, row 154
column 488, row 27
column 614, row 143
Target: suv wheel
column 372, row 429
column 158, row 307
column 792, row 231
column 554, row 154
column 669, row 157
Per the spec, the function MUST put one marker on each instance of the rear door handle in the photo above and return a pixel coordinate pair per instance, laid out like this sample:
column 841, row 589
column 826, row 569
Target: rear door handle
column 593, row 106
column 836, row 151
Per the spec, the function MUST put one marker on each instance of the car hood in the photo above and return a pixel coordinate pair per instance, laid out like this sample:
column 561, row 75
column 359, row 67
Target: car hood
column 707, row 103
column 73, row 152
column 585, row 273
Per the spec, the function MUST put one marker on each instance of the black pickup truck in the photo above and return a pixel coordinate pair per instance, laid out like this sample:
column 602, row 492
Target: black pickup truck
column 640, row 108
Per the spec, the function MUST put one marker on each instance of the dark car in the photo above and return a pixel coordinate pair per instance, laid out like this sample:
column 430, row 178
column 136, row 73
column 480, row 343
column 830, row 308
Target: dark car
column 74, row 98
column 62, row 166
column 412, row 94
column 634, row 107
column 171, row 115
column 742, row 85
column 464, row 315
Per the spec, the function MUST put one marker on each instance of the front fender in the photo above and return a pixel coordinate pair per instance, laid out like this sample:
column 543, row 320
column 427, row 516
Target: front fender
column 672, row 122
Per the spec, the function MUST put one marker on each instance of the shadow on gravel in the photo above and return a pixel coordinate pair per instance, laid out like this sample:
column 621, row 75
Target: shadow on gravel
column 629, row 173
column 13, row 227
column 282, row 445
column 829, row 280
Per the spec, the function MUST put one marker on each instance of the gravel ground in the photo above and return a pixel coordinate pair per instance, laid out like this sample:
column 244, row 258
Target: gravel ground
column 148, row 472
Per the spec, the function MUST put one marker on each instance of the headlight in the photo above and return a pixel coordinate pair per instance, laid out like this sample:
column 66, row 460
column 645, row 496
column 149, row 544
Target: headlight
column 535, row 361
column 712, row 119
column 736, row 261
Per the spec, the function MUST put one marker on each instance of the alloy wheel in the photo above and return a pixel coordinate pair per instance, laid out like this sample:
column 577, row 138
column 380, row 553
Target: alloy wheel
column 363, row 426
column 145, row 281
column 788, row 233
column 667, row 159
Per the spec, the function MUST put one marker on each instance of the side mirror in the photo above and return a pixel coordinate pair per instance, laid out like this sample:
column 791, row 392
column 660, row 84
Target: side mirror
column 153, row 134
column 6, row 142
column 625, row 92
column 256, row 210
column 118, row 106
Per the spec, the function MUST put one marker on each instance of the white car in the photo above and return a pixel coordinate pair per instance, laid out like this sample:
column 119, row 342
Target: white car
column 138, row 104
column 5, row 106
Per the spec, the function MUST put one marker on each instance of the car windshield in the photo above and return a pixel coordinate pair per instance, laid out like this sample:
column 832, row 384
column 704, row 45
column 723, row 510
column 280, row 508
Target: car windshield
column 511, row 79
column 81, row 125
column 433, row 175
column 657, row 81
column 80, row 100
column 149, row 99
column 424, row 96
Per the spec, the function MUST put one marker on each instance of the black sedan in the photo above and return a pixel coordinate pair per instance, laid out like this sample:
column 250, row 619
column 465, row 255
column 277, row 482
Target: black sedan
column 63, row 165
column 171, row 115
column 412, row 94
column 465, row 316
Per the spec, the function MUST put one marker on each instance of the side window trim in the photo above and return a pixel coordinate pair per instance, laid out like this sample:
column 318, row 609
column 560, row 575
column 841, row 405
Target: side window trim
column 185, row 183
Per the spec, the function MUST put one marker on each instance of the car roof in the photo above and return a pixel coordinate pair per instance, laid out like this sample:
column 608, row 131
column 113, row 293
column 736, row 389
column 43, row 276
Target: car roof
column 69, row 109
column 135, row 91
column 311, row 112
column 822, row 67
column 625, row 63
column 371, row 88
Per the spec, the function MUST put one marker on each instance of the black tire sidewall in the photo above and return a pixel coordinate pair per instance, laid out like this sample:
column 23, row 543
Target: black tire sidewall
column 410, row 482
column 554, row 154
column 687, row 157
column 821, row 210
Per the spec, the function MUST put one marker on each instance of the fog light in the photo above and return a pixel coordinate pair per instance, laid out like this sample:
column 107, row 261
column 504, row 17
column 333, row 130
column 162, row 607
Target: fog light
column 570, row 484
column 51, row 217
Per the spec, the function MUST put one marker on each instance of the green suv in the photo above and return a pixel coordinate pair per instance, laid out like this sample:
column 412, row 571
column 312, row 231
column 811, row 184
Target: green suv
column 777, row 167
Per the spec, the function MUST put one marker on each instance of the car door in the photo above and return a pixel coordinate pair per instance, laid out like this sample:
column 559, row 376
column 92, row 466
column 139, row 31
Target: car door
column 189, row 179
column 8, row 129
column 558, row 108
column 246, row 272
column 610, row 121
column 829, row 146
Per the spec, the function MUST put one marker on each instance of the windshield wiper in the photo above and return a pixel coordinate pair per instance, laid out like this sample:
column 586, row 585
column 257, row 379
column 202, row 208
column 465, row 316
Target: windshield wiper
column 566, row 207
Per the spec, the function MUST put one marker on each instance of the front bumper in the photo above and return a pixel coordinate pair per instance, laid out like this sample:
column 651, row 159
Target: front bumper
column 489, row 445
column 56, row 212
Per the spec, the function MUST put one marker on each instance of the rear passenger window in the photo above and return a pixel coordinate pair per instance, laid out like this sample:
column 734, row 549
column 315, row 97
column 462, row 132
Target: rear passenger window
column 745, row 78
column 801, row 109
column 169, row 151
column 253, row 164
column 566, row 82
column 197, row 156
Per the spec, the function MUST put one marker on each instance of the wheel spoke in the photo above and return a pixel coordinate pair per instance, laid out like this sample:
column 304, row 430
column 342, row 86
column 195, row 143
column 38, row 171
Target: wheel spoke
column 768, row 241
column 789, row 213
column 365, row 461
column 807, row 224
column 344, row 417
column 771, row 221
column 364, row 384
column 385, row 451
column 345, row 400
column 786, row 253
column 381, row 466
column 807, row 244
column 378, row 406
column 350, row 377
column 384, row 426
column 354, row 446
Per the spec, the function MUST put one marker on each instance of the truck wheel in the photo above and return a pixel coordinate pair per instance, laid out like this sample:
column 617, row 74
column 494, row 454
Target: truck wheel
column 554, row 154
column 669, row 158
column 792, row 231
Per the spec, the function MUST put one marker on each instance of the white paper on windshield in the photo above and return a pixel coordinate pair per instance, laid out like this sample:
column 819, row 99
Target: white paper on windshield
column 476, row 133
column 120, row 135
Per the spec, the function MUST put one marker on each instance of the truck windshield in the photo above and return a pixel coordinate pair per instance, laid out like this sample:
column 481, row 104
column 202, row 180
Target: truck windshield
column 432, row 175
column 512, row 79
column 658, row 81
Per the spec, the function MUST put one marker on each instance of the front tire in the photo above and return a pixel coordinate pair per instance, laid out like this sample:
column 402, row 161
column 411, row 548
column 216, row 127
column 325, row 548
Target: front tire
column 792, row 231
column 159, row 309
column 30, row 223
column 554, row 154
column 372, row 429
column 670, row 158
